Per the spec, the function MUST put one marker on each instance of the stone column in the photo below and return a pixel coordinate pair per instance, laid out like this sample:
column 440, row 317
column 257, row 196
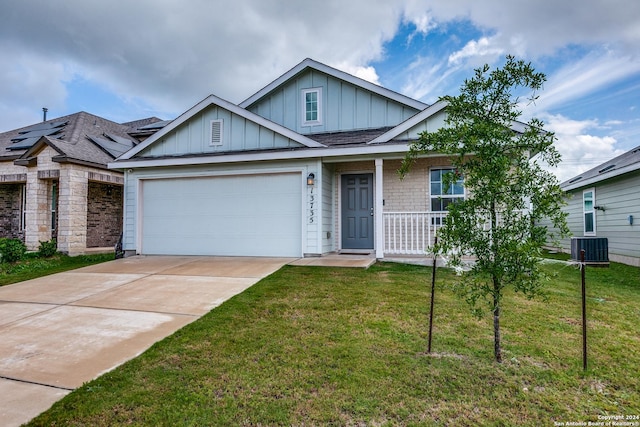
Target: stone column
column 38, row 210
column 72, row 211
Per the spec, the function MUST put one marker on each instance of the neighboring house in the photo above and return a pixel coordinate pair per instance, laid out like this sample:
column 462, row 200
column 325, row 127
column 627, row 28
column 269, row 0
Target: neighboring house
column 605, row 202
column 54, row 181
column 305, row 167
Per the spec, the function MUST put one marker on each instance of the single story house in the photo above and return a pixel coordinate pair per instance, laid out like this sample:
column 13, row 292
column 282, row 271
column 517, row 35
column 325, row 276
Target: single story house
column 304, row 167
column 605, row 202
column 55, row 183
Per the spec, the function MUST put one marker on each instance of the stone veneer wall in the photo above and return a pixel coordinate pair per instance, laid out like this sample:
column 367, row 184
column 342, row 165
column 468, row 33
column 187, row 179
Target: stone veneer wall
column 104, row 214
column 10, row 201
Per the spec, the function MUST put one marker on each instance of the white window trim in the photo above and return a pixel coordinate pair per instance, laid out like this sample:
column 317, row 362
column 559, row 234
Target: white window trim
column 463, row 196
column 23, row 207
column 591, row 190
column 221, row 140
column 306, row 122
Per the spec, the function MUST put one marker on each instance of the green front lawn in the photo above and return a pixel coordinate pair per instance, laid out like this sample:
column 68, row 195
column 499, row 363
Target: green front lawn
column 32, row 267
column 335, row 346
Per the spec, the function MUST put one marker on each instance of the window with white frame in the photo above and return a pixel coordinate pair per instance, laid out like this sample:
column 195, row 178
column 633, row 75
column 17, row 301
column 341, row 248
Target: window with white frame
column 23, row 207
column 589, row 212
column 54, row 206
column 312, row 106
column 444, row 192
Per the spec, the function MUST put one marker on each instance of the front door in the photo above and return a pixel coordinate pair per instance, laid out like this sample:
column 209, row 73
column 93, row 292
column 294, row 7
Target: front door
column 357, row 211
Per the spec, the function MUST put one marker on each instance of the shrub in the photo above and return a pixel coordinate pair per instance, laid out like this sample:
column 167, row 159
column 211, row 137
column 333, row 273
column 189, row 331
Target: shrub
column 48, row 249
column 11, row 250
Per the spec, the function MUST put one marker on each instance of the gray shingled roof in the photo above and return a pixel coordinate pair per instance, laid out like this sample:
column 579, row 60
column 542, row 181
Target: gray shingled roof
column 624, row 163
column 80, row 136
column 348, row 137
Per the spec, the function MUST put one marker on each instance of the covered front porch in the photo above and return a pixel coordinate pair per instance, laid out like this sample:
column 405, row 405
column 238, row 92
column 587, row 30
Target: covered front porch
column 398, row 210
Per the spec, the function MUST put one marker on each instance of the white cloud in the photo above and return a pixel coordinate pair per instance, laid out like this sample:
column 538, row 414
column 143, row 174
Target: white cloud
column 587, row 75
column 366, row 73
column 481, row 48
column 28, row 83
column 427, row 78
column 169, row 54
column 580, row 149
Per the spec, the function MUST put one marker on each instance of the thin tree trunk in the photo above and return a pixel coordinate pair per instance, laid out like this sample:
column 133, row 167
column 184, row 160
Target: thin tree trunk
column 496, row 290
column 496, row 322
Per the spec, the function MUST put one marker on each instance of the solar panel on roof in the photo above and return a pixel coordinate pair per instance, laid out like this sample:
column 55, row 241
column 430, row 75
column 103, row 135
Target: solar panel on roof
column 45, row 125
column 606, row 168
column 156, row 125
column 37, row 133
column 24, row 143
column 112, row 147
column 120, row 139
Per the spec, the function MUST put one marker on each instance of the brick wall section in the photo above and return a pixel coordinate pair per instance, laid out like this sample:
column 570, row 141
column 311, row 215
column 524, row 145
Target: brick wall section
column 412, row 193
column 409, row 194
column 104, row 215
column 10, row 200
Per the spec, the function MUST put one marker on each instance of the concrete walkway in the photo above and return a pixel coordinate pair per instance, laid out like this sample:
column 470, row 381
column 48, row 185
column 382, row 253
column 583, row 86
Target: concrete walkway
column 59, row 331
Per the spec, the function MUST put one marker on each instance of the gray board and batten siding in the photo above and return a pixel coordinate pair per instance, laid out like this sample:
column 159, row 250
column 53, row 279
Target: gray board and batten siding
column 616, row 201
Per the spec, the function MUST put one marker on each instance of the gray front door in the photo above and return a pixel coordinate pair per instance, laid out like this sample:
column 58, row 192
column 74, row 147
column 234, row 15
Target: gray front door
column 357, row 211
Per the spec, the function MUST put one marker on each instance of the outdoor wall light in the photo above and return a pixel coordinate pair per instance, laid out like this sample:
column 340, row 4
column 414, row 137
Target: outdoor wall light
column 311, row 179
column 630, row 219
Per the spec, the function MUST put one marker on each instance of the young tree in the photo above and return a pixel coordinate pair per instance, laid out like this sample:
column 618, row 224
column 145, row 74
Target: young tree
column 508, row 192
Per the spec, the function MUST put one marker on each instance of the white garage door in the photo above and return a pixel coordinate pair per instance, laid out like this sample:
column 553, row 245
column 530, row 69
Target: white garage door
column 248, row 215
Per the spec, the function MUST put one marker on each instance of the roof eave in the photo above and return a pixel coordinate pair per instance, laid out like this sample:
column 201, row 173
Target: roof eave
column 71, row 160
column 596, row 179
column 396, row 150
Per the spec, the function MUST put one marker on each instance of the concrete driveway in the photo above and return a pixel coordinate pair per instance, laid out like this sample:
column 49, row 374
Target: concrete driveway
column 59, row 331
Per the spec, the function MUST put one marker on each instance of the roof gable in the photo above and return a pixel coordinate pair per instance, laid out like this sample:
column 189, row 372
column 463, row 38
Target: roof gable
column 346, row 102
column 241, row 130
column 341, row 75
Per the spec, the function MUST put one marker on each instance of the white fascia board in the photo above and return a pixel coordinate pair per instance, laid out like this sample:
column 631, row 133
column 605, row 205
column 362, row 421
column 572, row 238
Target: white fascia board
column 410, row 122
column 516, row 126
column 267, row 156
column 168, row 128
column 219, row 102
column 596, row 179
column 356, row 81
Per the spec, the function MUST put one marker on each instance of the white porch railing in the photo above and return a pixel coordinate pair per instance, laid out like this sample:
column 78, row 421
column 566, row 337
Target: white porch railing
column 410, row 233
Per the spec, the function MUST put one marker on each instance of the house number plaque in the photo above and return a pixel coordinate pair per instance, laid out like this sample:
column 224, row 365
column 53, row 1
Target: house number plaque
column 312, row 206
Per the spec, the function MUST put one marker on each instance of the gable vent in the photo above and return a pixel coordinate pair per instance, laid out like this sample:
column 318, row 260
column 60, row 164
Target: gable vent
column 216, row 132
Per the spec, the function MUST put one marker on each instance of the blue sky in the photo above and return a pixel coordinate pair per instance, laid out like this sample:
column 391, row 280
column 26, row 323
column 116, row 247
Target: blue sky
column 126, row 60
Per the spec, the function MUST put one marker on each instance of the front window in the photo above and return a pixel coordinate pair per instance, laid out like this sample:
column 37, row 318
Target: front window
column 443, row 192
column 23, row 207
column 311, row 106
column 588, row 208
column 54, row 207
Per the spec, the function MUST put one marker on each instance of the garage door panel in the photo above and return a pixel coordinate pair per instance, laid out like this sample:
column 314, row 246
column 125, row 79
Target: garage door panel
column 258, row 215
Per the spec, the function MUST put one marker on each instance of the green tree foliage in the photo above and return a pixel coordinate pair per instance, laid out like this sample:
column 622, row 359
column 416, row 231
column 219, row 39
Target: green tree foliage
column 509, row 193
